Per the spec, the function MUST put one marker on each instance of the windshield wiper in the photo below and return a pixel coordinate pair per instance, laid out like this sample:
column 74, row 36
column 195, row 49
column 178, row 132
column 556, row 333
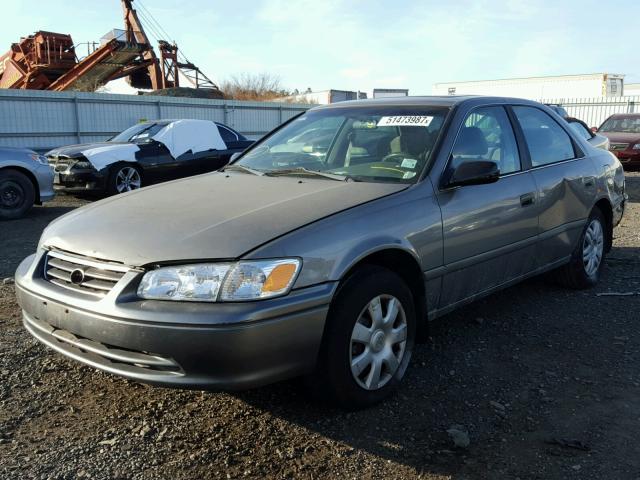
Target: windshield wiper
column 242, row 168
column 306, row 171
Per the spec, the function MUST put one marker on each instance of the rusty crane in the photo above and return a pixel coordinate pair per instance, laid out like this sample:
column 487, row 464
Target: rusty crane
column 48, row 61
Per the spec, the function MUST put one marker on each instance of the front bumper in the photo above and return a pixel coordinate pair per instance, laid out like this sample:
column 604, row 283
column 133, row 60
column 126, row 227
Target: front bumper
column 225, row 346
column 628, row 158
column 44, row 176
column 71, row 181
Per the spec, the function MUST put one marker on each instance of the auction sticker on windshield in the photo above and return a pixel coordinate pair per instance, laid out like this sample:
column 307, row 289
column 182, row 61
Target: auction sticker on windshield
column 405, row 121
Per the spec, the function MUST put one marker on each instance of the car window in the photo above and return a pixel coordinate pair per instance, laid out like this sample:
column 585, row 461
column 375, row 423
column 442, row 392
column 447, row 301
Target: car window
column 547, row 141
column 581, row 130
column 377, row 143
column 487, row 135
column 130, row 133
column 227, row 135
column 146, row 134
column 630, row 124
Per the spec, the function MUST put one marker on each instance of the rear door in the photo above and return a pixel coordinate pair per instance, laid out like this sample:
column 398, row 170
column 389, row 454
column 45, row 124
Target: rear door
column 489, row 230
column 565, row 181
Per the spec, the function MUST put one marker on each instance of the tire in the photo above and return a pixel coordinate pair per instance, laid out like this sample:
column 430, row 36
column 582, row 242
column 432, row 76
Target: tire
column 335, row 379
column 123, row 177
column 17, row 194
column 579, row 273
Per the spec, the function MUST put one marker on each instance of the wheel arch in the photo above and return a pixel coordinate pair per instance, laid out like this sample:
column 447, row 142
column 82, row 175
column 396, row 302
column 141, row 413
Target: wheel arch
column 133, row 163
column 604, row 205
column 405, row 264
column 26, row 172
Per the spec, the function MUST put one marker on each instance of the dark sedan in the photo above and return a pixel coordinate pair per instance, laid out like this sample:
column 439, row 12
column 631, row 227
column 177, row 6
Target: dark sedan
column 144, row 154
column 623, row 132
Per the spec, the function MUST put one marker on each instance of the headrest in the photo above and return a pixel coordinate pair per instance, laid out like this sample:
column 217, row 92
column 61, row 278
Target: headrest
column 471, row 142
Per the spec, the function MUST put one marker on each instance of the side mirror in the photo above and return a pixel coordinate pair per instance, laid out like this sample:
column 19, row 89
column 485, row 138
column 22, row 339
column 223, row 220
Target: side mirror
column 234, row 157
column 594, row 129
column 473, row 173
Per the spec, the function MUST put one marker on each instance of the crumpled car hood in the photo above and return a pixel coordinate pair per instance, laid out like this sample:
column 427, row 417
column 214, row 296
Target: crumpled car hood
column 211, row 216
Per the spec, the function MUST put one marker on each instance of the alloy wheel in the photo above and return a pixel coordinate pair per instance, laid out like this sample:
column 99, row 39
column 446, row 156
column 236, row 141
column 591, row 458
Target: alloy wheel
column 378, row 342
column 593, row 247
column 127, row 179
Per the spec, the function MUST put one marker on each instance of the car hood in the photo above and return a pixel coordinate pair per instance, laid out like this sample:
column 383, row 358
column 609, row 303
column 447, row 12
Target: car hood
column 211, row 216
column 76, row 150
column 621, row 137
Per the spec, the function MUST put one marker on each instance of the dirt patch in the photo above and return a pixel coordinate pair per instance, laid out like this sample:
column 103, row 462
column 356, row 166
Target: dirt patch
column 545, row 382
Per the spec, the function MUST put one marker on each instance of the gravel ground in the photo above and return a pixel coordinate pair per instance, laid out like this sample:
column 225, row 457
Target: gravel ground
column 544, row 382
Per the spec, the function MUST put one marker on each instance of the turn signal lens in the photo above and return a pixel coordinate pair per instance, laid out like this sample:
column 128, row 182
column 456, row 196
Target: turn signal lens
column 279, row 278
column 253, row 280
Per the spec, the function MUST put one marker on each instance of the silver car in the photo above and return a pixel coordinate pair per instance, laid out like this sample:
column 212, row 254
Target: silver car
column 326, row 248
column 582, row 130
column 25, row 178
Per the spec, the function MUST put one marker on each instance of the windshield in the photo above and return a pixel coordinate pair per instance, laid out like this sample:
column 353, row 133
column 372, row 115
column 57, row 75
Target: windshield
column 621, row 124
column 141, row 132
column 376, row 144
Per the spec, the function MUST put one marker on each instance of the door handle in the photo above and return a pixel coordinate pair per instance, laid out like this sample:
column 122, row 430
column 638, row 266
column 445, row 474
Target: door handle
column 527, row 199
column 588, row 181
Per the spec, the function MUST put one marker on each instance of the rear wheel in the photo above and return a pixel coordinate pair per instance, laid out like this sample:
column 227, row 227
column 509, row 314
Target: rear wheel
column 124, row 178
column 16, row 194
column 368, row 340
column 587, row 260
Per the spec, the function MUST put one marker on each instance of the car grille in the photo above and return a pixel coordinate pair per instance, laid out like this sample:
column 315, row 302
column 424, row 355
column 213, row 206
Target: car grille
column 82, row 274
column 59, row 164
column 618, row 146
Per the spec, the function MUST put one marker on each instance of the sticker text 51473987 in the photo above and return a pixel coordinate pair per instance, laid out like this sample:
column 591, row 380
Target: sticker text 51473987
column 405, row 121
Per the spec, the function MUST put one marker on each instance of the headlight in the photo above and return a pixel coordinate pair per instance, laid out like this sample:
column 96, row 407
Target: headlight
column 636, row 146
column 40, row 159
column 224, row 282
column 82, row 165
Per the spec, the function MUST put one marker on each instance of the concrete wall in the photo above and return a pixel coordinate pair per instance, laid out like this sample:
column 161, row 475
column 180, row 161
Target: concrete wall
column 43, row 120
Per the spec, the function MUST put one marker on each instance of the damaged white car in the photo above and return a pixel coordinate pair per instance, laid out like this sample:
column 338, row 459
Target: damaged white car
column 147, row 153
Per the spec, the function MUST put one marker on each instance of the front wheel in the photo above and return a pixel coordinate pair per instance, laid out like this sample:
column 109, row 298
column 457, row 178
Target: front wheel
column 587, row 261
column 124, row 178
column 16, row 194
column 368, row 340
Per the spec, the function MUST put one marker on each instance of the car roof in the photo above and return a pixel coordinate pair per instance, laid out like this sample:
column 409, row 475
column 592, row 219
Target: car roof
column 433, row 101
column 167, row 121
column 625, row 115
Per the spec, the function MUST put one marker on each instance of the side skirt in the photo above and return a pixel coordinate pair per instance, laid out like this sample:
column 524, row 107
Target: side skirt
column 435, row 313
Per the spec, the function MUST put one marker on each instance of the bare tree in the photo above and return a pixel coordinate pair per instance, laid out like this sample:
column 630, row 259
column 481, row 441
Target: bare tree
column 257, row 87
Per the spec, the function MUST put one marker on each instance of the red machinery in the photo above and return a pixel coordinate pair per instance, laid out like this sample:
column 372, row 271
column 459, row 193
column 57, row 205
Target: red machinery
column 48, row 61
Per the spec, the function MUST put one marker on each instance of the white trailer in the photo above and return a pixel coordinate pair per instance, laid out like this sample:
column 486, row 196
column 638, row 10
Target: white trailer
column 390, row 92
column 323, row 97
column 536, row 88
column 632, row 89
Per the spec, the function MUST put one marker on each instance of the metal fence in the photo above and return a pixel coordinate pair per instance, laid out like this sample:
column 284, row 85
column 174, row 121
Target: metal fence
column 594, row 111
column 43, row 120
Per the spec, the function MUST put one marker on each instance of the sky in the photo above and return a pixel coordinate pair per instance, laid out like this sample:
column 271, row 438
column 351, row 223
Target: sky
column 361, row 45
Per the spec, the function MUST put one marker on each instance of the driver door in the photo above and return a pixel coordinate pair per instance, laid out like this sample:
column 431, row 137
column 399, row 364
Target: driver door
column 489, row 230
